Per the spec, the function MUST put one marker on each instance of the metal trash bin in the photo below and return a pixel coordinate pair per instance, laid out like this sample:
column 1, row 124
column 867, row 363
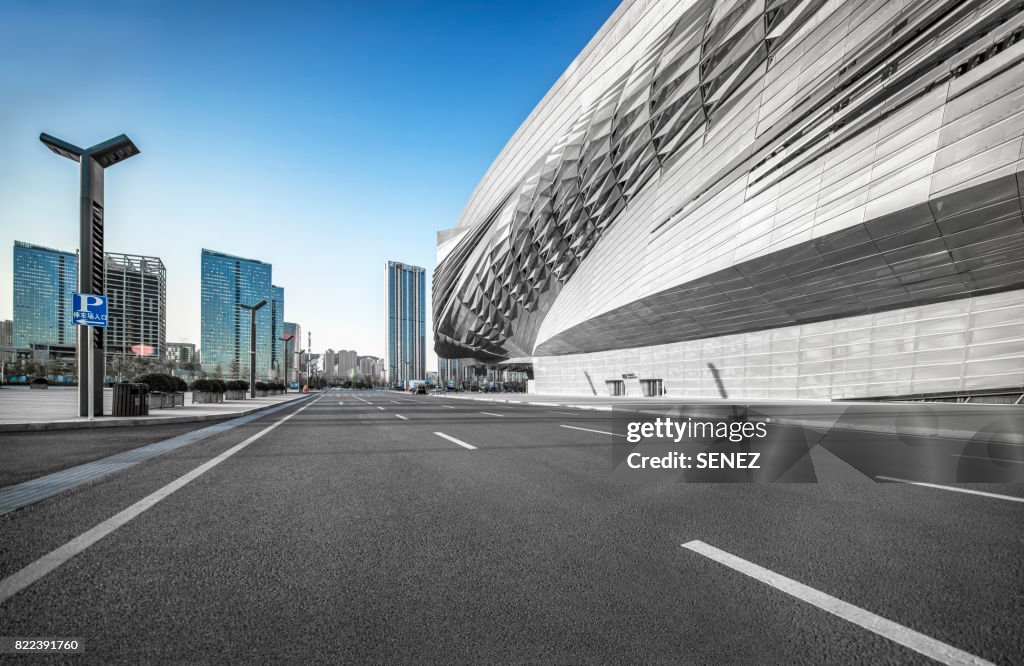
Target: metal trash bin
column 130, row 399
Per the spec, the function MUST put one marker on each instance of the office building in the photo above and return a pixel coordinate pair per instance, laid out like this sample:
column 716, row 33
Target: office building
column 136, row 289
column 6, row 340
column 44, row 281
column 405, row 322
column 788, row 200
column 276, row 332
column 293, row 347
column 182, row 353
column 371, row 368
column 228, row 282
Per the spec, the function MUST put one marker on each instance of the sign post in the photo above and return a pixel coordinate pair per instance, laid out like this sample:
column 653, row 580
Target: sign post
column 90, row 310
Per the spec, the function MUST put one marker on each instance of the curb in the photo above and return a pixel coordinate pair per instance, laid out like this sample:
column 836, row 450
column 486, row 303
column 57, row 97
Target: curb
column 35, row 426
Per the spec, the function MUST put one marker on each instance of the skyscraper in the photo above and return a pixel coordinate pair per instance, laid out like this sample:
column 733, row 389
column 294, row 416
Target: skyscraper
column 406, row 322
column 136, row 289
column 229, row 282
column 6, row 340
column 44, row 280
column 277, row 331
column 293, row 347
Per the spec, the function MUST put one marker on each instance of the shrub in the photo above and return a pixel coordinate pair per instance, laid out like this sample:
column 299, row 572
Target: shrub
column 40, row 380
column 158, row 382
column 219, row 385
column 180, row 385
column 202, row 386
column 261, row 386
column 238, row 385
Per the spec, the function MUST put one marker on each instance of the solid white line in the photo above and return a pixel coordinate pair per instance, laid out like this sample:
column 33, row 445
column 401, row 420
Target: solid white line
column 401, row 417
column 21, row 579
column 447, row 406
column 600, row 432
column 961, row 455
column 452, row 439
column 1010, row 498
column 493, row 414
column 929, row 647
column 563, row 413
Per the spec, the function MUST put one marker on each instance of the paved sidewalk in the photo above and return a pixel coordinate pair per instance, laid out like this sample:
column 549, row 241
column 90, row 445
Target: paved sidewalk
column 22, row 408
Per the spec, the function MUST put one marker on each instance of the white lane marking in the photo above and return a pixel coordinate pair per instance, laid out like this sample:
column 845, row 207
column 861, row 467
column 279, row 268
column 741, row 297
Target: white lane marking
column 340, row 403
column 961, row 455
column 493, row 414
column 564, row 413
column 929, row 647
column 600, row 432
column 381, row 408
column 447, row 406
column 358, row 398
column 457, row 441
column 21, row 579
column 401, row 417
column 1010, row 498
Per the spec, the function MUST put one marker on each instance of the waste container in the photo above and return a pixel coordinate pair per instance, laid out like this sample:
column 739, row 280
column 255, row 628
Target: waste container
column 130, row 399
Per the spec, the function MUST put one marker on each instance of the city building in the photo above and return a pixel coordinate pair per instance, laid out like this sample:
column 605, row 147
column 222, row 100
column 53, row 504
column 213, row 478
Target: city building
column 294, row 347
column 405, row 322
column 277, row 332
column 371, row 368
column 330, row 363
column 791, row 200
column 227, row 283
column 44, row 281
column 6, row 340
column 182, row 353
column 136, row 289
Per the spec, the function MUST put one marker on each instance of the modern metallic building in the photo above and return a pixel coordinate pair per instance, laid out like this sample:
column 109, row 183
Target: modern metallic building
column 6, row 340
column 44, row 281
column 759, row 198
column 405, row 323
column 277, row 331
column 227, row 283
column 294, row 347
column 136, row 289
column 183, row 353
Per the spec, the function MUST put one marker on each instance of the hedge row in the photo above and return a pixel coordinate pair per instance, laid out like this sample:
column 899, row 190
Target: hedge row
column 209, row 386
column 269, row 386
column 163, row 383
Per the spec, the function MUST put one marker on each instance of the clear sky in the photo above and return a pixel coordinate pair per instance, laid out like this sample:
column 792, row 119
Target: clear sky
column 323, row 138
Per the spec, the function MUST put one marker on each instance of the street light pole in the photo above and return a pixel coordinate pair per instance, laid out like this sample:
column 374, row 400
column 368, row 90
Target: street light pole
column 91, row 270
column 252, row 344
column 286, row 338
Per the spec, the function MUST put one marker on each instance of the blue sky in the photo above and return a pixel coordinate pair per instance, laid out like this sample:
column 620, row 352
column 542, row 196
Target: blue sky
column 323, row 138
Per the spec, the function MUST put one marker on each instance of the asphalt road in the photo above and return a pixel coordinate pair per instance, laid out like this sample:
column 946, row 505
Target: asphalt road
column 353, row 533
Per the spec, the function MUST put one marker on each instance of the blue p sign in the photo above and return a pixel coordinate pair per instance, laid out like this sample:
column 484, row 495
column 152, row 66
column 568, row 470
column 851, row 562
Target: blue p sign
column 89, row 310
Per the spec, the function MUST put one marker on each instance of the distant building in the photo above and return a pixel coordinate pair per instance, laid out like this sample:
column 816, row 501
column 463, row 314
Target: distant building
column 330, row 364
column 44, row 280
column 294, row 347
column 182, row 353
column 136, row 289
column 371, row 368
column 227, row 283
column 405, row 322
column 6, row 340
column 277, row 331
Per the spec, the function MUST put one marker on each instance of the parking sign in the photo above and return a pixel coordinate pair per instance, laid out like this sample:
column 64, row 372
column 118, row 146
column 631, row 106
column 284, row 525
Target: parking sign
column 89, row 310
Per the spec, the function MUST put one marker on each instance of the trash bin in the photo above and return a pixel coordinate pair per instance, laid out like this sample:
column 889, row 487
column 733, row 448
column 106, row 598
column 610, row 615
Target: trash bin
column 130, row 399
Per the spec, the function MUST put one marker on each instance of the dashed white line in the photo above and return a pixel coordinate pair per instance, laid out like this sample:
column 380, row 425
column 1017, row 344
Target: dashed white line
column 564, row 413
column 21, row 579
column 456, row 441
column 401, row 417
column 381, row 408
column 493, row 414
column 340, row 403
column 1010, row 498
column 905, row 636
column 600, row 432
column 447, row 406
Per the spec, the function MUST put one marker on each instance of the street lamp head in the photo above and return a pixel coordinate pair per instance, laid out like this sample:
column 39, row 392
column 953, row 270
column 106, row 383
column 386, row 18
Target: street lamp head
column 254, row 308
column 106, row 154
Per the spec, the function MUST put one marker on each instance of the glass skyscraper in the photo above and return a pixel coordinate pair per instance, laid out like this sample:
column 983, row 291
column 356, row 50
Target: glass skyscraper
column 227, row 283
column 277, row 331
column 136, row 289
column 44, row 280
column 406, row 322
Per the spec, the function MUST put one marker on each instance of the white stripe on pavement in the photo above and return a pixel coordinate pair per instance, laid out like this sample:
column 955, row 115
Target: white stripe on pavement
column 600, row 432
column 21, row 579
column 447, row 406
column 457, row 441
column 929, row 647
column 341, row 403
column 564, row 413
column 1010, row 498
column 1009, row 460
column 401, row 417
column 381, row 408
column 493, row 414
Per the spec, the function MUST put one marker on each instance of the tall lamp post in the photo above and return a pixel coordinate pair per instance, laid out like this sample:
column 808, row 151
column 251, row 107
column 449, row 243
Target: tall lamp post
column 286, row 338
column 90, row 247
column 252, row 344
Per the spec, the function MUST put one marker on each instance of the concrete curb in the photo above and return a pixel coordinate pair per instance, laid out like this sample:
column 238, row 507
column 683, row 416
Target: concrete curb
column 33, row 426
column 945, row 433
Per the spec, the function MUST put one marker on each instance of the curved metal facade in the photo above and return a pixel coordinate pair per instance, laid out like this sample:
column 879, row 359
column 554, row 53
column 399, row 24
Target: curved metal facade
column 710, row 171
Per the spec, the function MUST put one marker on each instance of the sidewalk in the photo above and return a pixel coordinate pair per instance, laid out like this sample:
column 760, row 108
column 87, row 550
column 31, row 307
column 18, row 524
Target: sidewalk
column 55, row 408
